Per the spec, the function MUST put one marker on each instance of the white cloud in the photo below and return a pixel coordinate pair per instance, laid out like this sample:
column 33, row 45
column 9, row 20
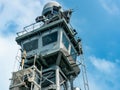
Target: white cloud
column 103, row 65
column 22, row 13
column 103, row 73
column 8, row 49
column 110, row 6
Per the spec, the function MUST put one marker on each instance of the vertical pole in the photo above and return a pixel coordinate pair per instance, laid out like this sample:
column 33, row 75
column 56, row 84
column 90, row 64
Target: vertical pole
column 57, row 79
column 84, row 73
column 22, row 63
column 71, row 82
column 34, row 59
column 31, row 86
column 66, row 85
column 23, row 58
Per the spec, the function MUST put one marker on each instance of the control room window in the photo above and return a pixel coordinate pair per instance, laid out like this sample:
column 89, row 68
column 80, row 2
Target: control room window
column 65, row 41
column 32, row 45
column 73, row 54
column 50, row 38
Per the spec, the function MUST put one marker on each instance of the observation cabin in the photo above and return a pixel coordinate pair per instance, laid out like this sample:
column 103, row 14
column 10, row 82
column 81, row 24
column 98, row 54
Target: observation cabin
column 53, row 40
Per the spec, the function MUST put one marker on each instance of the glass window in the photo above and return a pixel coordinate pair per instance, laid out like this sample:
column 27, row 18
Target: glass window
column 73, row 54
column 50, row 38
column 32, row 45
column 65, row 41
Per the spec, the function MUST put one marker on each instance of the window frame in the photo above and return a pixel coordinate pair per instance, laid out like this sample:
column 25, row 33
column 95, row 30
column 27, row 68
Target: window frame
column 55, row 39
column 65, row 41
column 31, row 45
column 73, row 53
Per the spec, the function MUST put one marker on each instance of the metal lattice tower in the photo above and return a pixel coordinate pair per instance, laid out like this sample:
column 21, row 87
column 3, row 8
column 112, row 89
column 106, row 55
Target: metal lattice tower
column 84, row 73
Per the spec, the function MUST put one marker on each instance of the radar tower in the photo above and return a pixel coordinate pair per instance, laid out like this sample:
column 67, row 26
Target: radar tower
column 49, row 51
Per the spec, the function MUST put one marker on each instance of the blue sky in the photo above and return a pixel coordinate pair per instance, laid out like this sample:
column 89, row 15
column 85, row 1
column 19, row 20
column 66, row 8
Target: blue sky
column 97, row 22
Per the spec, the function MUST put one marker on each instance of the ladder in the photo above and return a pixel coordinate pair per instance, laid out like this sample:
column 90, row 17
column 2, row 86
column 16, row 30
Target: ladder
column 84, row 72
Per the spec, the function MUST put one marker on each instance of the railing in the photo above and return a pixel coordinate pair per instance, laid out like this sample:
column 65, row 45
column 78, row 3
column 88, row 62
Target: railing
column 30, row 28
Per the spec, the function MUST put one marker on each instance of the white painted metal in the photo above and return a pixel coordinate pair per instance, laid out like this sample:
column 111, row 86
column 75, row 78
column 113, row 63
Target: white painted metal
column 57, row 78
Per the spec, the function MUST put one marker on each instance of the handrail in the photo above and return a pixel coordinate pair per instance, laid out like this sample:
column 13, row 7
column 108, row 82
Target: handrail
column 30, row 28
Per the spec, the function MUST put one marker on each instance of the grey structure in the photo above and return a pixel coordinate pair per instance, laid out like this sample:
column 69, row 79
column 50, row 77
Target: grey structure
column 49, row 50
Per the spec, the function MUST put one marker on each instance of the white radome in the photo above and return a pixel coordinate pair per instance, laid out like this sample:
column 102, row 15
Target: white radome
column 77, row 88
column 51, row 4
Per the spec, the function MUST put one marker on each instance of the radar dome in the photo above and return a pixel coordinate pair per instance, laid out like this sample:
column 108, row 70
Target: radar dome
column 49, row 7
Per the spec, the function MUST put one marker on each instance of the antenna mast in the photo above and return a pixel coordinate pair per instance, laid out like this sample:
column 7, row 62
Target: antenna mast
column 84, row 73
